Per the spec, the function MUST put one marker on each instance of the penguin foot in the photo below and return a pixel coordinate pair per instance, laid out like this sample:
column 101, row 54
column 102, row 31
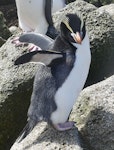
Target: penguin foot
column 64, row 126
column 30, row 48
column 18, row 43
column 33, row 47
column 52, row 32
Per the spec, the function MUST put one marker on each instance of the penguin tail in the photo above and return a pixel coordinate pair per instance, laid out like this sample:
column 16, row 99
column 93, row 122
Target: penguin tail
column 27, row 129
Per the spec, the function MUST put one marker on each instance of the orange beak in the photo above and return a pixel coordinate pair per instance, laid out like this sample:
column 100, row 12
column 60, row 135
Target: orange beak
column 77, row 37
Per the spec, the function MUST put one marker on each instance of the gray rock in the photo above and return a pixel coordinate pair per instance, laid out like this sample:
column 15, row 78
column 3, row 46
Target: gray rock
column 2, row 41
column 94, row 114
column 15, row 91
column 78, row 6
column 99, row 3
column 109, row 9
column 47, row 138
column 14, row 30
column 4, row 31
column 101, row 32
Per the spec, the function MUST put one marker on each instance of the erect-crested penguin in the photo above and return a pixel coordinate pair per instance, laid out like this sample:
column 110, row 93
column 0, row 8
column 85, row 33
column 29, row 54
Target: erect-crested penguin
column 36, row 15
column 60, row 77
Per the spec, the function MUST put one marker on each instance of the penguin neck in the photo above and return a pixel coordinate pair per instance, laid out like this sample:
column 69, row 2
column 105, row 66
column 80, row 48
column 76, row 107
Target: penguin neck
column 62, row 45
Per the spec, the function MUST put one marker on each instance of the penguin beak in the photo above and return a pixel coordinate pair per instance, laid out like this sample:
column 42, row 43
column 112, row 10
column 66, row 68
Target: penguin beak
column 77, row 37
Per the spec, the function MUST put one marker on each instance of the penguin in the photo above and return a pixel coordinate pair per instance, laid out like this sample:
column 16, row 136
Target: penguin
column 36, row 15
column 63, row 70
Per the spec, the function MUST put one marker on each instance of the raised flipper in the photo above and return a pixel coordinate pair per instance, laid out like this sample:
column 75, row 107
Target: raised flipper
column 45, row 57
column 42, row 41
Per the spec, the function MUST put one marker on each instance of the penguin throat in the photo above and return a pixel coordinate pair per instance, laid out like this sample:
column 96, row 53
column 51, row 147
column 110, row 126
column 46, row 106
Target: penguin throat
column 68, row 44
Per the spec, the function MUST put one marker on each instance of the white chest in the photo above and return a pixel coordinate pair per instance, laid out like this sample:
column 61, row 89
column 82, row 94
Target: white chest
column 38, row 5
column 67, row 94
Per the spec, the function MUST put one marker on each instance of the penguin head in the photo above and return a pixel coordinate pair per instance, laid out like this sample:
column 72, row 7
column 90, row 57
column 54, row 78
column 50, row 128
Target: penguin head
column 73, row 28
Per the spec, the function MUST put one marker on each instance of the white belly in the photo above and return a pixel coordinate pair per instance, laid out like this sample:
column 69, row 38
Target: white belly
column 67, row 94
column 57, row 5
column 31, row 14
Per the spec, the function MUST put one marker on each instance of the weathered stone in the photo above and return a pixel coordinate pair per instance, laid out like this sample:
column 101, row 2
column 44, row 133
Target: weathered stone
column 47, row 138
column 78, row 6
column 99, row 3
column 94, row 114
column 15, row 91
column 109, row 9
column 2, row 41
column 4, row 31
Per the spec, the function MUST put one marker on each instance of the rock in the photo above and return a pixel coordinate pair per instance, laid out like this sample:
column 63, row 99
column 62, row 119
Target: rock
column 78, row 6
column 101, row 32
column 4, row 31
column 15, row 91
column 109, row 9
column 94, row 114
column 2, row 41
column 6, row 2
column 99, row 3
column 15, row 30
column 47, row 138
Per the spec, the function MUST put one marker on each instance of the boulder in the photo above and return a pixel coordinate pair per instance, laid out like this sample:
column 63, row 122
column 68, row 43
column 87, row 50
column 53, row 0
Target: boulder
column 4, row 31
column 15, row 91
column 109, row 9
column 94, row 114
column 47, row 138
column 99, row 3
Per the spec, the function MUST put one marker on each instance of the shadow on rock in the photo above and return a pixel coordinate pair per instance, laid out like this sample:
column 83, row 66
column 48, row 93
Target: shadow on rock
column 99, row 130
column 44, row 136
column 50, row 135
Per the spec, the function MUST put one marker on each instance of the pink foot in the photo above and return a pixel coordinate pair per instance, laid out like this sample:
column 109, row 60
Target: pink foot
column 33, row 47
column 18, row 43
column 64, row 126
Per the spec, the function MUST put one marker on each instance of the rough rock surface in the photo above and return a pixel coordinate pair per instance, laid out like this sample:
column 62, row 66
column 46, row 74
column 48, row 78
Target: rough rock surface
column 4, row 31
column 99, row 3
column 15, row 90
column 47, row 138
column 109, row 9
column 94, row 114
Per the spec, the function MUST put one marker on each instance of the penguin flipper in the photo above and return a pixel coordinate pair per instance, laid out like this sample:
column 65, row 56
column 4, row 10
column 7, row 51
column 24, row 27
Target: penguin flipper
column 26, row 130
column 45, row 57
column 43, row 41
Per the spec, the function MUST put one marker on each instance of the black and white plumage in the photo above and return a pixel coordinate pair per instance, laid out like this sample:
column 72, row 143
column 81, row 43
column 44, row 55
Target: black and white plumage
column 60, row 77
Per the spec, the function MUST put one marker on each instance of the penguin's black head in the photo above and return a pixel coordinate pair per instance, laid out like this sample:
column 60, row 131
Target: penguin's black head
column 73, row 28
